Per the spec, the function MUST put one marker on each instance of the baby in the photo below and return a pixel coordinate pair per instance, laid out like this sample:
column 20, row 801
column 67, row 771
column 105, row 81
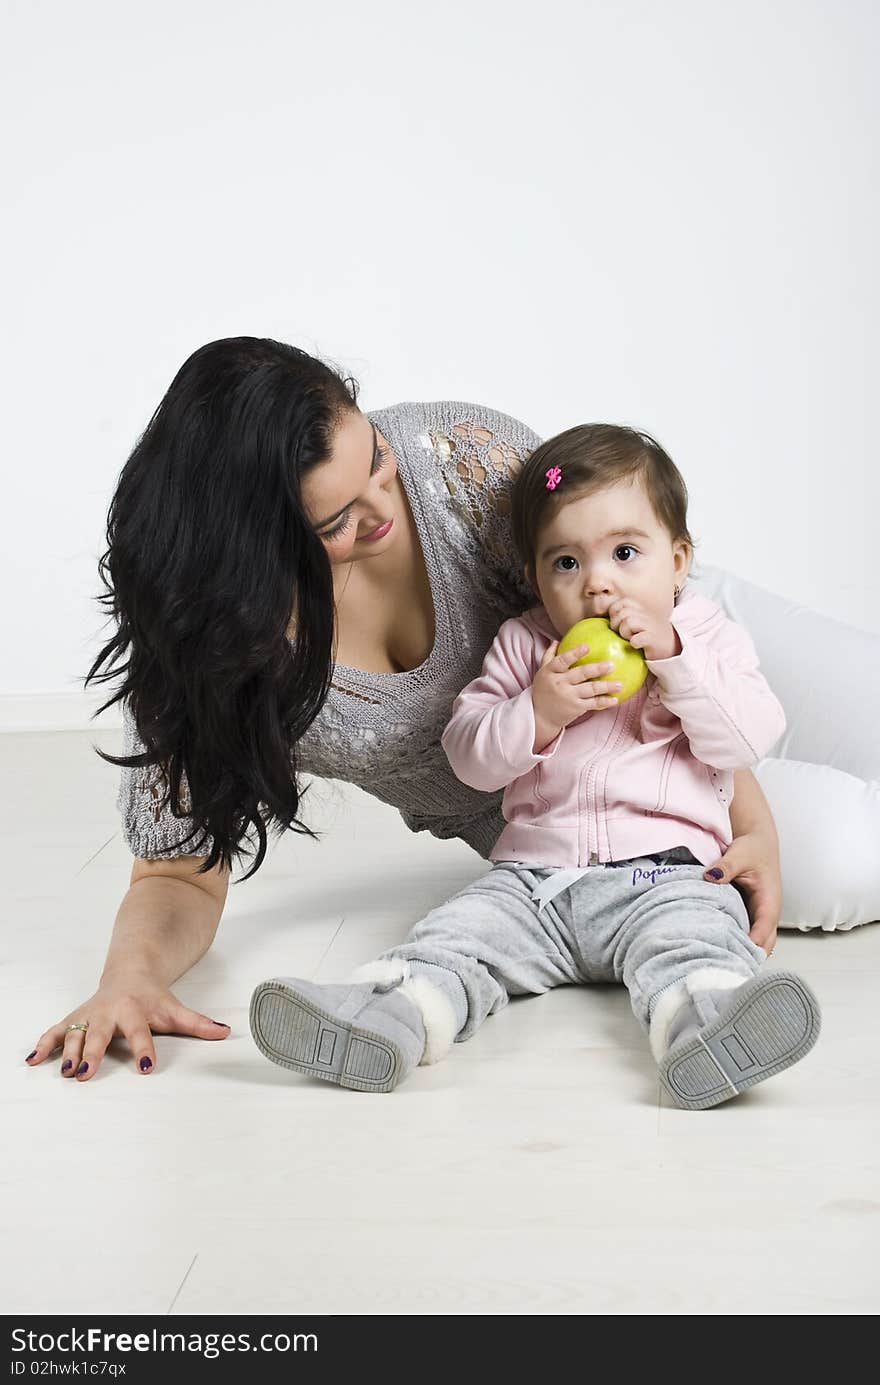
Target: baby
column 612, row 811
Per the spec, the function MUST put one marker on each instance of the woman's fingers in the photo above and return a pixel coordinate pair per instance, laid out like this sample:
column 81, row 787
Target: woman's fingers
column 764, row 910
column 762, row 898
column 140, row 1041
column 132, row 1023
column 764, row 935
column 96, row 1040
column 177, row 1019
column 71, row 1052
column 200, row 1026
column 134, row 1011
column 70, row 1044
column 46, row 1044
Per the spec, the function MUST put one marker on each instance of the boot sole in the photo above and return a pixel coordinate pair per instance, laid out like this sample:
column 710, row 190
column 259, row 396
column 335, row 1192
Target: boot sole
column 773, row 1024
column 291, row 1030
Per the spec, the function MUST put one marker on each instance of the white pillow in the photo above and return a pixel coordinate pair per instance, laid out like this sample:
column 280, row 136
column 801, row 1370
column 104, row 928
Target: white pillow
column 829, row 844
column 822, row 780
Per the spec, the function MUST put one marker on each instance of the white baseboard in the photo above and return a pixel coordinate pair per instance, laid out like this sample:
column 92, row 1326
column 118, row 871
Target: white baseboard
column 62, row 711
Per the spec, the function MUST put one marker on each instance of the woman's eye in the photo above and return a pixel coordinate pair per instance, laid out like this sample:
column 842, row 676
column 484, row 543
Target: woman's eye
column 345, row 523
column 340, row 528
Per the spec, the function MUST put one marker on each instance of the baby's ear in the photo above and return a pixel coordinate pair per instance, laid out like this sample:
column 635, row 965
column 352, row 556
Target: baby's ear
column 686, row 552
column 530, row 578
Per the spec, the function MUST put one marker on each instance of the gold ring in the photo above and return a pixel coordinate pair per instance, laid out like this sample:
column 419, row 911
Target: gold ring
column 83, row 1027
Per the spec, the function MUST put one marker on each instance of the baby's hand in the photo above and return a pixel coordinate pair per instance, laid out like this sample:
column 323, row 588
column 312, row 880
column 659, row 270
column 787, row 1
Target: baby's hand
column 657, row 639
column 561, row 693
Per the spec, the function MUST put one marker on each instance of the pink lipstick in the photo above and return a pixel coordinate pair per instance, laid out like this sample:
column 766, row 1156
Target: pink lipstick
column 377, row 533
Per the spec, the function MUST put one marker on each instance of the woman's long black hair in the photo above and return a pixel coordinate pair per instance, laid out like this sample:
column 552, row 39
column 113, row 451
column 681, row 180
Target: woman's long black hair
column 210, row 557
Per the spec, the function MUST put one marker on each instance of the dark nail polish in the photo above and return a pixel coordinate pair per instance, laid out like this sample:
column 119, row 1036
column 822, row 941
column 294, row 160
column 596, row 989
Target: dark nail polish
column 716, row 874
column 146, row 1064
column 30, row 1056
column 220, row 1024
column 83, row 1067
column 67, row 1065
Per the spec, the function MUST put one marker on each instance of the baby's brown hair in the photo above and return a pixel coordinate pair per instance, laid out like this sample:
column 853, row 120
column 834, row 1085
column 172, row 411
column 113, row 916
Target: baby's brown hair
column 590, row 457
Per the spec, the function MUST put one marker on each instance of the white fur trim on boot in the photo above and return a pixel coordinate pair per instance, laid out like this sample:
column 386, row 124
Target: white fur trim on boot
column 438, row 1017
column 435, row 1008
column 384, row 970
column 714, row 979
column 670, row 1001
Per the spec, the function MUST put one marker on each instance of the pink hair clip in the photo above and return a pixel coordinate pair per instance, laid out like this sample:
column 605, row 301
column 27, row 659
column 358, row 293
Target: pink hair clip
column 554, row 476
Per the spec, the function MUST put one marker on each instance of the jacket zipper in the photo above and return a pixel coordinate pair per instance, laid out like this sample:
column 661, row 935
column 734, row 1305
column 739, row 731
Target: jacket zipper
column 591, row 774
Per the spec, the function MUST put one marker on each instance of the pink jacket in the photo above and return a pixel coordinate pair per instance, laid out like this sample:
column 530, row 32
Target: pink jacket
column 654, row 773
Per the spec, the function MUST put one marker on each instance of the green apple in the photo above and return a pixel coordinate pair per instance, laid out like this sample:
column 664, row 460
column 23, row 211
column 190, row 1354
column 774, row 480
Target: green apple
column 607, row 647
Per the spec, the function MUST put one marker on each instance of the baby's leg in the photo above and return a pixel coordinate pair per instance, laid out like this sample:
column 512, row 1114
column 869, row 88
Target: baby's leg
column 459, row 964
column 486, row 944
column 716, row 1027
column 680, row 935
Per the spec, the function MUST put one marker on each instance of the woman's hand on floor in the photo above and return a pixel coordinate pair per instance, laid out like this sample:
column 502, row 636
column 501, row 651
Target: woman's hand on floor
column 134, row 1007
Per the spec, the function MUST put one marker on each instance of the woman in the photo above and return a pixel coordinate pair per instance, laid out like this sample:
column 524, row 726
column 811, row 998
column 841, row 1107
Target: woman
column 297, row 587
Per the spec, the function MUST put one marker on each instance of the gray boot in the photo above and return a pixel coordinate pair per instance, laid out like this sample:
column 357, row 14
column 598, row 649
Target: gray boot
column 721, row 1041
column 367, row 1034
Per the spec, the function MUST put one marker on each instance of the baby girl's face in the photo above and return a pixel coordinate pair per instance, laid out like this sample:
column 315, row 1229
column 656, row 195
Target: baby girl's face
column 604, row 546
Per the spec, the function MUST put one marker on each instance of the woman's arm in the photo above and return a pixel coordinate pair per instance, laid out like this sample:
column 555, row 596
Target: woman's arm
column 750, row 811
column 165, row 923
column 167, row 920
column 752, row 859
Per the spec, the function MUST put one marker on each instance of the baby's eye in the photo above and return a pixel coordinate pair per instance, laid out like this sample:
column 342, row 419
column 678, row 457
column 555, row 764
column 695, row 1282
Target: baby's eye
column 566, row 558
column 624, row 548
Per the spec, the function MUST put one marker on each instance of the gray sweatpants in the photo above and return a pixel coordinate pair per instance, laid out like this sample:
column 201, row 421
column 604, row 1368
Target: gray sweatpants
column 646, row 922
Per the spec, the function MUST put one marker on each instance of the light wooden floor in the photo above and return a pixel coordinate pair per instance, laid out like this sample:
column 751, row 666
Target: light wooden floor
column 536, row 1170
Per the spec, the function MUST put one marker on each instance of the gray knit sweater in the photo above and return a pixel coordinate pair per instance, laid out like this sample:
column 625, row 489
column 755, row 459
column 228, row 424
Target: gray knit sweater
column 382, row 730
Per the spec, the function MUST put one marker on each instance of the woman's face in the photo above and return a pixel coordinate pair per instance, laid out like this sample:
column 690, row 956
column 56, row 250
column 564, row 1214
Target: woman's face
column 354, row 493
column 603, row 546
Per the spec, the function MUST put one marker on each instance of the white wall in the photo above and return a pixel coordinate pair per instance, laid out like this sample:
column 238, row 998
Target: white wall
column 661, row 214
